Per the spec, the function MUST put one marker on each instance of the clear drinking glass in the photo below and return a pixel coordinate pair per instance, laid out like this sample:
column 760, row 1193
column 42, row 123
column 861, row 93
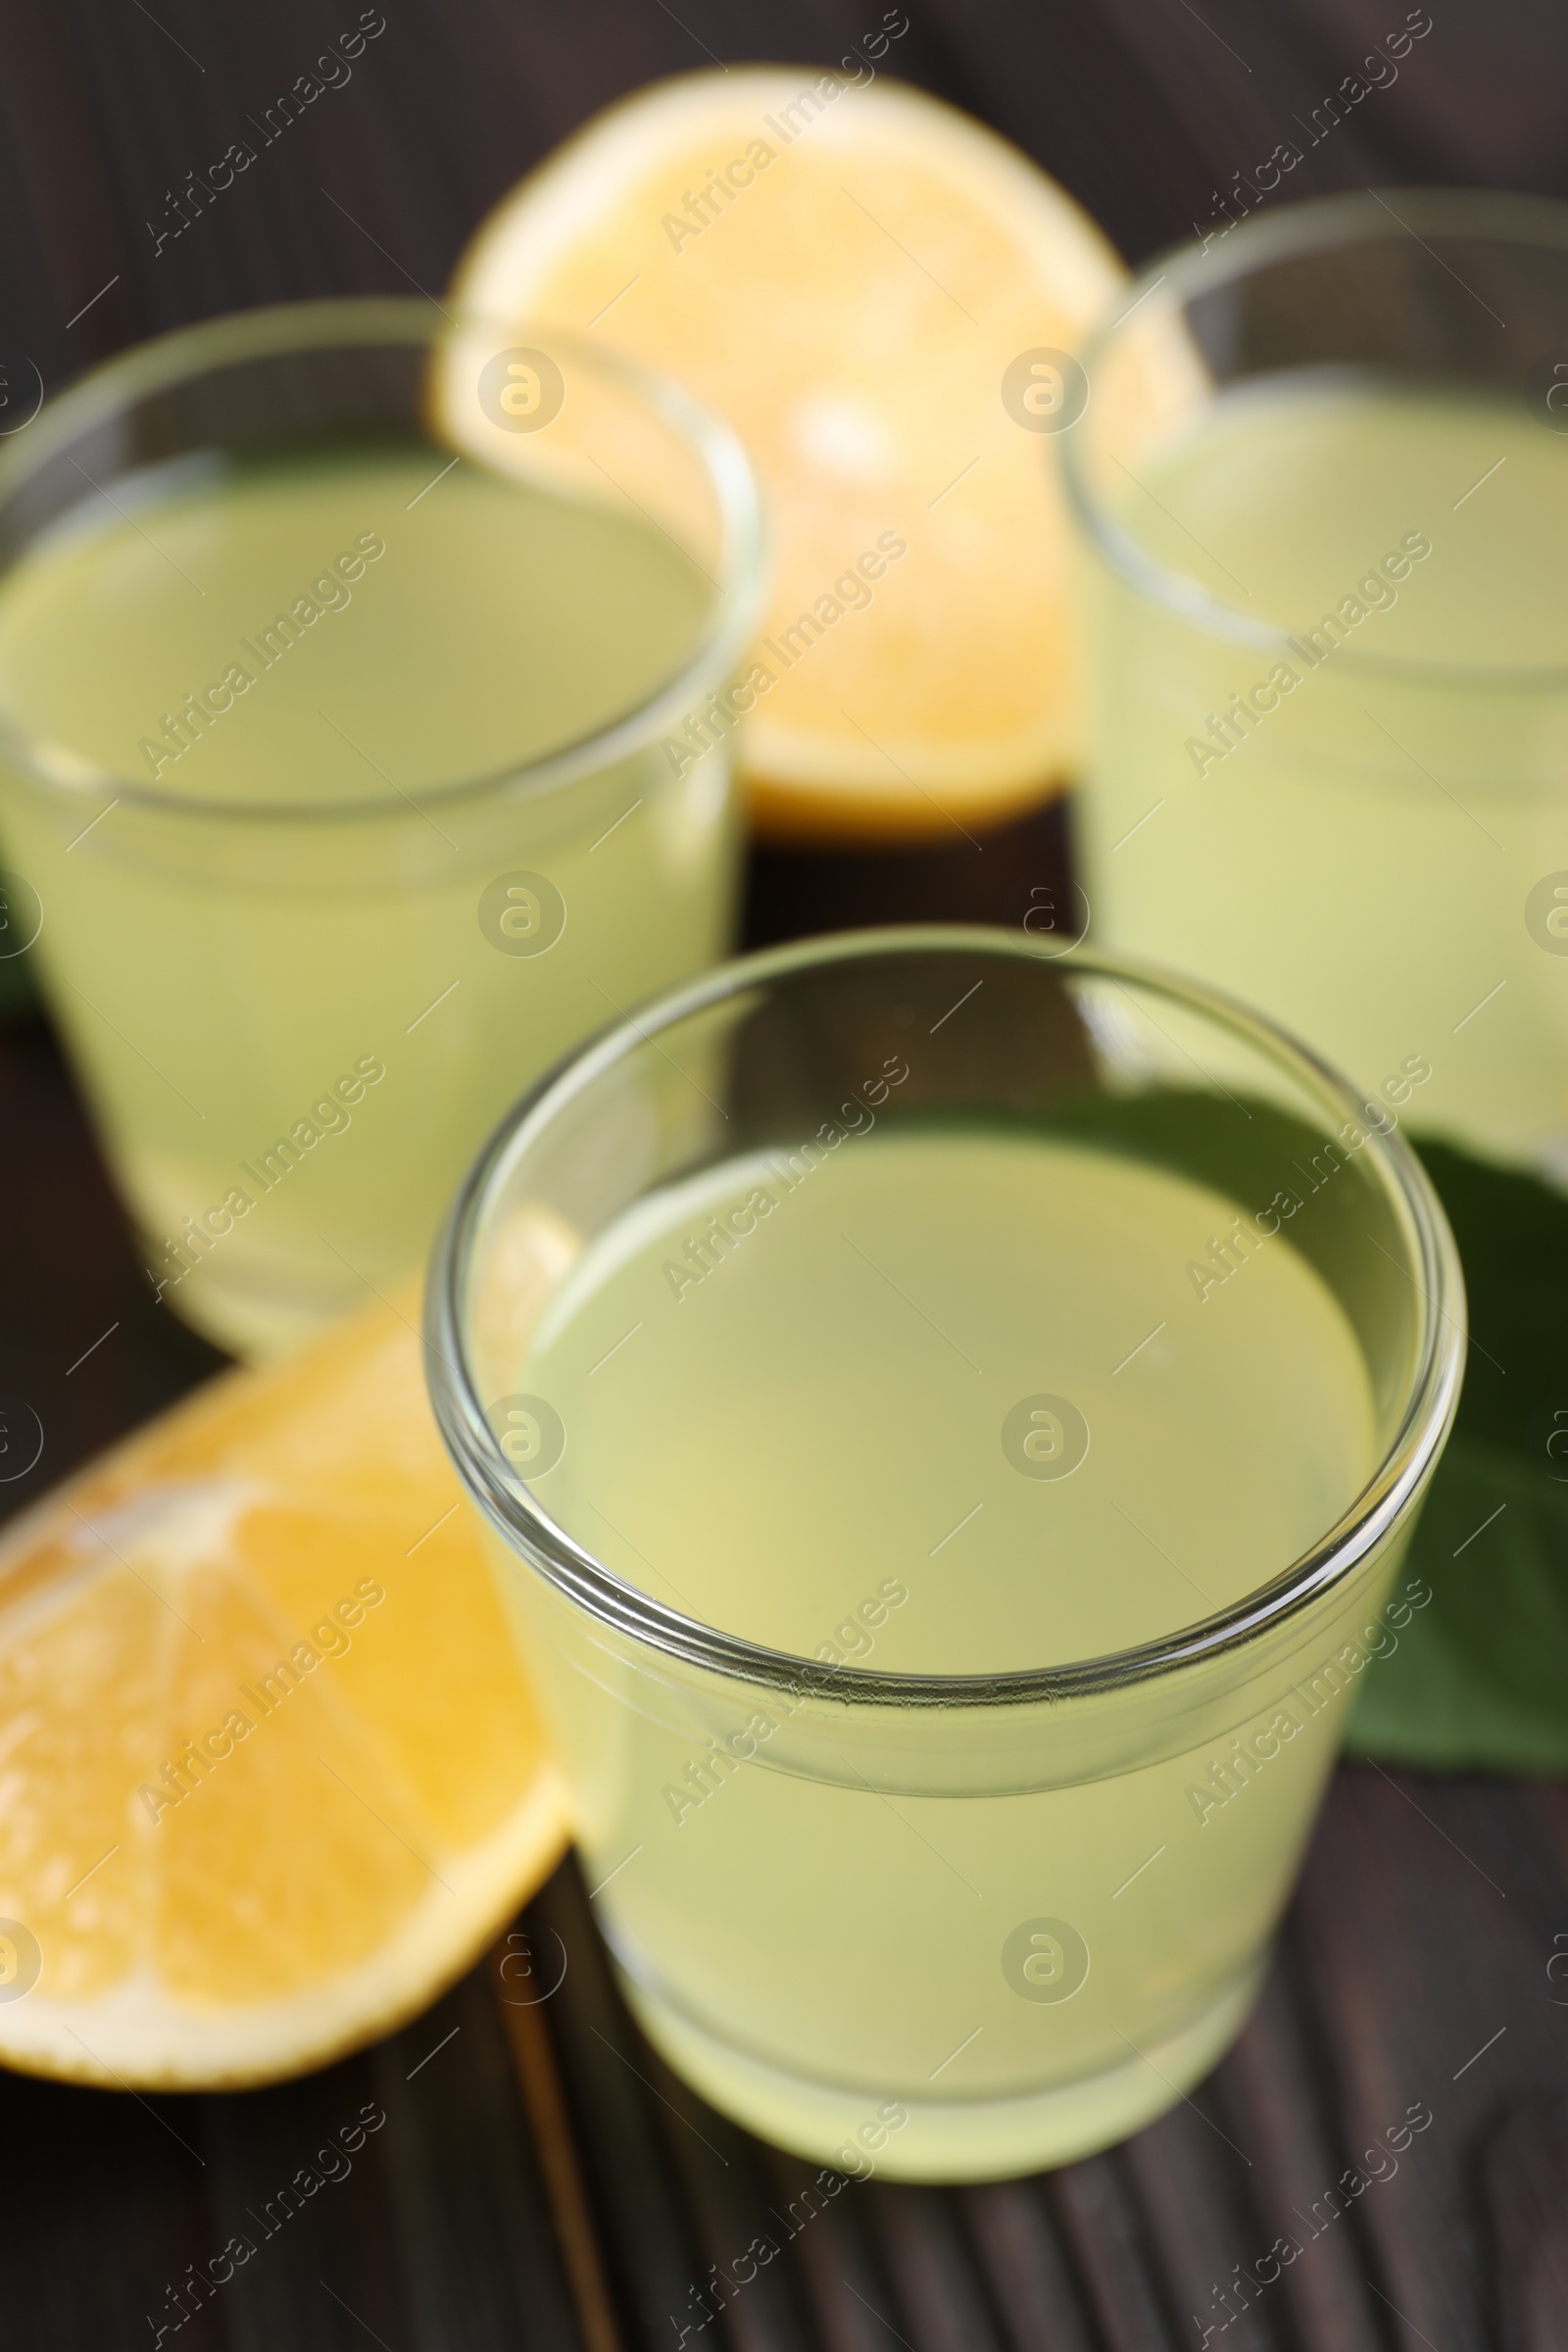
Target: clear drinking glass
column 1323, row 475
column 776, row 1840
column 346, row 779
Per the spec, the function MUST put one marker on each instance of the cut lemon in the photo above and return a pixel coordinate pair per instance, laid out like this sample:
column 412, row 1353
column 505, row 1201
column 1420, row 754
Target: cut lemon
column 270, row 1773
column 884, row 300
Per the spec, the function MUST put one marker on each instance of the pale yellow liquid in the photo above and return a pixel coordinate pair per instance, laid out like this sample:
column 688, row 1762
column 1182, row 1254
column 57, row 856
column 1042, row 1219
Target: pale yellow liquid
column 217, row 978
column 806, row 1448
column 1359, row 865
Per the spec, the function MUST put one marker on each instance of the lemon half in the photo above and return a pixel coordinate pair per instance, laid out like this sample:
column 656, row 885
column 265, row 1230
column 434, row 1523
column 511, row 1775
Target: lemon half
column 884, row 300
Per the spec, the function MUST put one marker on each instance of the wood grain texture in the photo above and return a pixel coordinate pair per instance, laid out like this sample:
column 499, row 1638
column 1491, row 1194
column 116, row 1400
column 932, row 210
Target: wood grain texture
column 1417, row 1964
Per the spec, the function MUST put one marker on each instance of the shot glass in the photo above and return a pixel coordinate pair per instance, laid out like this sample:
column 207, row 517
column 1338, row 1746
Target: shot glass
column 358, row 755
column 1323, row 479
column 978, row 1873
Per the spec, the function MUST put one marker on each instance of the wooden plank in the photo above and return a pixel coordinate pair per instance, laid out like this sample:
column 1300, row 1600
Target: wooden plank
column 1121, row 2285
column 1276, row 2087
column 1524, row 2179
column 1419, row 2013
column 476, row 2238
column 649, row 2247
column 1195, row 2193
column 298, row 2178
column 938, row 2288
column 1020, row 2251
column 747, row 2283
column 842, row 2280
column 520, row 1991
column 107, row 2214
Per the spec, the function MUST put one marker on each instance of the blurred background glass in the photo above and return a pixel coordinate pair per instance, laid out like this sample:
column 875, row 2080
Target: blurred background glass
column 332, row 776
column 1330, row 620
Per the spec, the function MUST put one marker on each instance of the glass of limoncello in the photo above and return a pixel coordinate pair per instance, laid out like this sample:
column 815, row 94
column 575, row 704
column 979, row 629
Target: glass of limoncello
column 362, row 749
column 1324, row 475
column 945, row 1422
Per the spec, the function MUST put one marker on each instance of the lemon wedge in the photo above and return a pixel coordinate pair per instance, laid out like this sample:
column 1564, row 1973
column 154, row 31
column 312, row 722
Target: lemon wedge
column 270, row 1775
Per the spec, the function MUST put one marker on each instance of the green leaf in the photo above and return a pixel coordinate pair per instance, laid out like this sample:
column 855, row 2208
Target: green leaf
column 1480, row 1678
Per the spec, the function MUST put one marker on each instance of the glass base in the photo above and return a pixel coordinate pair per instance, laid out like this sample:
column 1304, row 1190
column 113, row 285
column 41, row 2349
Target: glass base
column 255, row 1324
column 981, row 2140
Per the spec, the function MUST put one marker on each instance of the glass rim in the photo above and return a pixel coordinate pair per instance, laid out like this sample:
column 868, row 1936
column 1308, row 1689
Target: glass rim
column 1311, row 225
column 492, row 1484
column 354, row 320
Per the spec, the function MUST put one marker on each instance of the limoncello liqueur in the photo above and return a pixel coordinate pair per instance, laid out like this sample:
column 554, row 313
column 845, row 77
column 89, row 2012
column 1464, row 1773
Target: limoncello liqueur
column 949, row 1402
column 296, row 1034
column 1361, row 831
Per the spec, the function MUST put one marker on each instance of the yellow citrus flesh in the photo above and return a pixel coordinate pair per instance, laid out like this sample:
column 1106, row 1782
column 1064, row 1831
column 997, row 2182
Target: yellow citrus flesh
column 269, row 1772
column 849, row 294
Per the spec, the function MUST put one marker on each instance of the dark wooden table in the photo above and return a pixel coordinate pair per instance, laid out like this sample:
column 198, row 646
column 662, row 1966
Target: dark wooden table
column 538, row 2180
